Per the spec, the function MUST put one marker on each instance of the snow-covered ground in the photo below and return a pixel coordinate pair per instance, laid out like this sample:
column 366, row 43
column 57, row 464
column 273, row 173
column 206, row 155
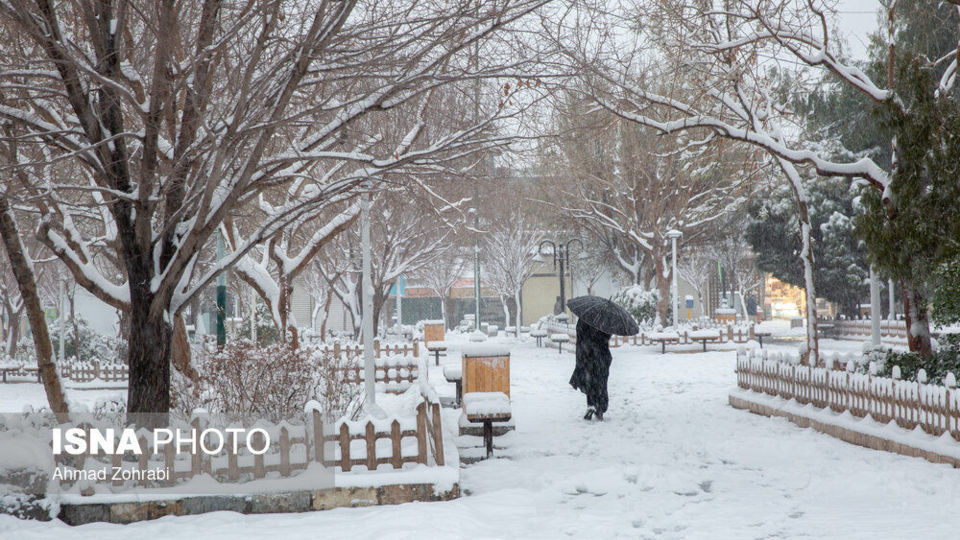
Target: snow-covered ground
column 672, row 460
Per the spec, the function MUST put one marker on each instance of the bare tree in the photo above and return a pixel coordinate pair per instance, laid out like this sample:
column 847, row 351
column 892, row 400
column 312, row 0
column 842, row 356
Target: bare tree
column 716, row 65
column 441, row 276
column 630, row 187
column 166, row 117
column 695, row 267
column 510, row 250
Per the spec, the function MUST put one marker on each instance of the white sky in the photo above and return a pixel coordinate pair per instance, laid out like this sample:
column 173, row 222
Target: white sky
column 857, row 19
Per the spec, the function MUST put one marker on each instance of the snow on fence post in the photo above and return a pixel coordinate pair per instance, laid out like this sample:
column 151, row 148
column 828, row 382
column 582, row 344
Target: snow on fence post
column 395, row 444
column 345, row 464
column 422, row 432
column 318, row 439
column 258, row 469
column 233, row 472
column 371, row 444
column 195, row 456
column 437, row 432
column 284, row 452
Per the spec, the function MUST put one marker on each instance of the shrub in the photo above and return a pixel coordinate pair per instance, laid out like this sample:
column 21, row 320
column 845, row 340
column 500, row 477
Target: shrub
column 272, row 382
column 641, row 303
column 92, row 344
column 946, row 359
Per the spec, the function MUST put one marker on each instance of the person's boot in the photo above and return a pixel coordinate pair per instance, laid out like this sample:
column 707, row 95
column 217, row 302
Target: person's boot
column 589, row 415
column 599, row 415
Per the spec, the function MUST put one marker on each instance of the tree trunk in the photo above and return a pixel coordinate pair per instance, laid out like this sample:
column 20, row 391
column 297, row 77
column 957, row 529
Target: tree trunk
column 76, row 325
column 26, row 282
column 148, row 356
column 918, row 323
column 13, row 331
column 506, row 310
column 443, row 311
column 180, row 354
column 516, row 298
column 806, row 254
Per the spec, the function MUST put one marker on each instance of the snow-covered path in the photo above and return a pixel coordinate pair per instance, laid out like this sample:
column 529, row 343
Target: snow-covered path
column 673, row 460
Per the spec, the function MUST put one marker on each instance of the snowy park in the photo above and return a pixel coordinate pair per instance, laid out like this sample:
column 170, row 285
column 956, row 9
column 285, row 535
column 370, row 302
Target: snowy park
column 671, row 460
column 479, row 269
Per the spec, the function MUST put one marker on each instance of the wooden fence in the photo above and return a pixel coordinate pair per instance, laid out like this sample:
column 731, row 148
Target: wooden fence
column 933, row 408
column 405, row 349
column 858, row 328
column 396, row 373
column 292, row 448
column 92, row 371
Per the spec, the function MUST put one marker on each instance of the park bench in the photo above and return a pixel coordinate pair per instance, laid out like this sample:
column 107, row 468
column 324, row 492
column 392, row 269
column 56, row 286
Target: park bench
column 538, row 334
column 663, row 338
column 18, row 370
column 760, row 334
column 437, row 348
column 560, row 339
column 454, row 374
column 487, row 408
column 704, row 336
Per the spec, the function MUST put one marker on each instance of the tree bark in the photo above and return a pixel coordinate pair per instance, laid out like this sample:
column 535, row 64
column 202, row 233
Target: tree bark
column 26, row 282
column 519, row 321
column 918, row 323
column 148, row 356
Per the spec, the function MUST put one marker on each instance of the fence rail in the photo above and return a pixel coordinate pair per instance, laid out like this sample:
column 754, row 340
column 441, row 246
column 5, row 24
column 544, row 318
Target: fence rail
column 933, row 408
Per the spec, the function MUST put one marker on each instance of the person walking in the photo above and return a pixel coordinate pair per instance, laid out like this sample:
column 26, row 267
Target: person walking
column 598, row 319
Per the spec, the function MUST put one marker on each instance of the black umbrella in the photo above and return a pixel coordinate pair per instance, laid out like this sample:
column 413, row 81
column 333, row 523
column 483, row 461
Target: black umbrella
column 604, row 315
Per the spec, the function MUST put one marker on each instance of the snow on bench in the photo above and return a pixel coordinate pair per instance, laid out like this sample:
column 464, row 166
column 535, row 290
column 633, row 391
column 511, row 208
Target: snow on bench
column 703, row 336
column 487, row 407
column 663, row 338
column 453, row 373
column 538, row 332
column 560, row 339
column 479, row 406
column 485, row 349
column 441, row 345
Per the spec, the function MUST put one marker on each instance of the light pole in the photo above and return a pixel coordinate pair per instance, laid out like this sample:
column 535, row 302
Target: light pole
column 366, row 295
column 673, row 234
column 221, row 296
column 561, row 255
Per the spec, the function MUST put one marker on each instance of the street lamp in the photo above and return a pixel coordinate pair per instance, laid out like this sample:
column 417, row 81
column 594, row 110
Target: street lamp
column 673, row 234
column 561, row 255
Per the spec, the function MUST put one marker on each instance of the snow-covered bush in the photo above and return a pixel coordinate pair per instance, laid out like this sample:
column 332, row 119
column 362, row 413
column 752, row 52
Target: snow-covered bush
column 273, row 382
column 639, row 302
column 267, row 332
column 92, row 344
column 945, row 360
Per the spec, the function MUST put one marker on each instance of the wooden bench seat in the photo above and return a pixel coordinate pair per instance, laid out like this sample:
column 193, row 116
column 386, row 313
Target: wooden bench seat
column 486, row 408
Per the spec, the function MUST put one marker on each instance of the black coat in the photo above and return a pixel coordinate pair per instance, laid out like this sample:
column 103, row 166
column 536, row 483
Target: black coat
column 593, row 365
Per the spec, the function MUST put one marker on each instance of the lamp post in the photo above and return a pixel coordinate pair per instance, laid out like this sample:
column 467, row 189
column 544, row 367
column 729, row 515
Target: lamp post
column 561, row 255
column 673, row 234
